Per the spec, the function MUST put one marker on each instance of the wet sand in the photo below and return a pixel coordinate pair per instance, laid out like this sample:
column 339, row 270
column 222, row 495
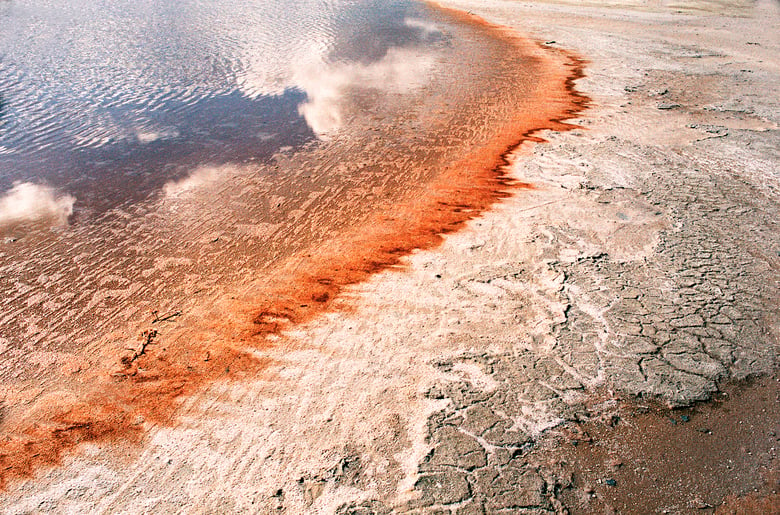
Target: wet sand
column 631, row 273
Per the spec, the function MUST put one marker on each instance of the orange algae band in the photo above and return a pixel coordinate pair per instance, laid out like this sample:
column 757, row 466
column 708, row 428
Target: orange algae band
column 149, row 384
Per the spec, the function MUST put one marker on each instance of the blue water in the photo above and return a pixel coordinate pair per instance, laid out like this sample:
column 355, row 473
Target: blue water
column 107, row 101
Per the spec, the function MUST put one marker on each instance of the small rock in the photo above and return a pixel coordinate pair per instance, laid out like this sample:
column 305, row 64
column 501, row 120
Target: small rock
column 685, row 418
column 665, row 106
column 705, row 430
column 610, row 482
column 698, row 504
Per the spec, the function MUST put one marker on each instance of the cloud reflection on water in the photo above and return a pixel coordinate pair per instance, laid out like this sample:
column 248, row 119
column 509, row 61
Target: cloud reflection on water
column 26, row 202
column 327, row 87
column 113, row 104
column 393, row 57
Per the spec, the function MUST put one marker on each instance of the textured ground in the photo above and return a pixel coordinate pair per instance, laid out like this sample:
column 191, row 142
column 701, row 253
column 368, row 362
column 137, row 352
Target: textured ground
column 524, row 366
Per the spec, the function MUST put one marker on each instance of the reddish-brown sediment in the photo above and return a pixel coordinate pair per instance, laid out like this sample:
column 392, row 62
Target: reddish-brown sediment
column 147, row 384
column 659, row 458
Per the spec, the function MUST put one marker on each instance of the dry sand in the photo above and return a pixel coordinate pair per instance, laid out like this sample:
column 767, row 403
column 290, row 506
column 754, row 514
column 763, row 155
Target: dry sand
column 525, row 364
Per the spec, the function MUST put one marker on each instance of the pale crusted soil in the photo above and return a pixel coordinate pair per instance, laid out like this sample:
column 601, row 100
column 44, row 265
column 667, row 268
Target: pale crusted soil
column 674, row 294
column 646, row 264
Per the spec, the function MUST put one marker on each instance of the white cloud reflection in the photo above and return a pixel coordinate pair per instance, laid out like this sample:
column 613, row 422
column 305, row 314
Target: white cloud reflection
column 401, row 70
column 26, row 202
column 200, row 177
column 327, row 83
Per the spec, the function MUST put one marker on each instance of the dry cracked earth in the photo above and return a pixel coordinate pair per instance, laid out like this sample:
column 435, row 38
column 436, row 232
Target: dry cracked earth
column 680, row 298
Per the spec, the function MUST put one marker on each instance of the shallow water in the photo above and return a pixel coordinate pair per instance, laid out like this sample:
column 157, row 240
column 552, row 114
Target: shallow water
column 208, row 135
column 244, row 179
column 192, row 207
column 108, row 101
column 134, row 133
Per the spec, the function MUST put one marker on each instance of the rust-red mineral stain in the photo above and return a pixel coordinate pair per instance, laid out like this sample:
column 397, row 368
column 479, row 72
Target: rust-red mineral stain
column 114, row 405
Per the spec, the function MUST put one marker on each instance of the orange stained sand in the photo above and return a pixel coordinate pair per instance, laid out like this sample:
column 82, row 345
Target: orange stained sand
column 148, row 384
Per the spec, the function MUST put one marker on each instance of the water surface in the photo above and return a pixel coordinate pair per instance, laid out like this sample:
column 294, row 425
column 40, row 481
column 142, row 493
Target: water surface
column 170, row 157
column 109, row 101
column 180, row 183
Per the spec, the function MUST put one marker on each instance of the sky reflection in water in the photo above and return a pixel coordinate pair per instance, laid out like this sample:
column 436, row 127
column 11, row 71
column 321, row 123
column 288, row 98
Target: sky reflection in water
column 109, row 102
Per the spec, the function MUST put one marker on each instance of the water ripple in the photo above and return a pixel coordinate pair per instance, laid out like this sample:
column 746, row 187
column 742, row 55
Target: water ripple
column 81, row 72
column 99, row 95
